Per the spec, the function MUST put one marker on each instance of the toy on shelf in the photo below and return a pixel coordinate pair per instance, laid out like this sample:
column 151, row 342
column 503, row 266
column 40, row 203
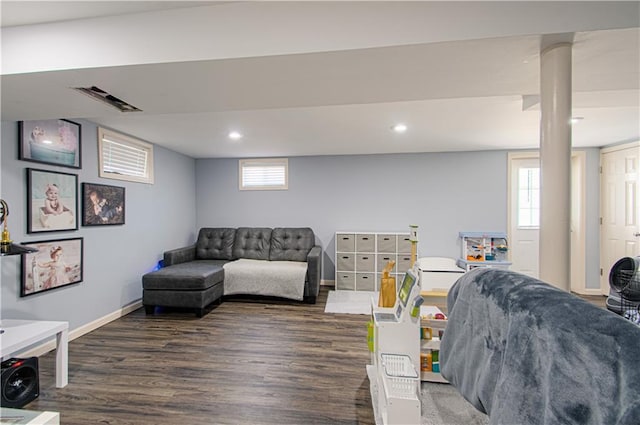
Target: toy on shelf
column 432, row 325
column 387, row 287
column 483, row 249
column 475, row 250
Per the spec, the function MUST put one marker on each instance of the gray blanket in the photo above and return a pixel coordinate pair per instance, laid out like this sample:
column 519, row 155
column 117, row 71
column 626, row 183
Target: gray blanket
column 525, row 352
column 260, row 277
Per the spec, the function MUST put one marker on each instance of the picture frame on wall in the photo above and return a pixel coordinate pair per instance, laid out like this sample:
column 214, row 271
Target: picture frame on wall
column 102, row 205
column 57, row 263
column 52, row 200
column 54, row 142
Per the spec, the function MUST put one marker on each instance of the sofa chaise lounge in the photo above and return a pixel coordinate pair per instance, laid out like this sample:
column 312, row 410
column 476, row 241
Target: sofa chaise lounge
column 282, row 262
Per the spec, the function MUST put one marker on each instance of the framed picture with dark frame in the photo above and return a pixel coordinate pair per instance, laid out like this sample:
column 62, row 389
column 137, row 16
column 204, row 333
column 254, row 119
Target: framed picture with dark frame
column 52, row 201
column 102, row 205
column 55, row 142
column 57, row 263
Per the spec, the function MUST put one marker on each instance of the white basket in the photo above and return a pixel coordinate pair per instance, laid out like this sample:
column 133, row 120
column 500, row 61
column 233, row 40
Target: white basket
column 401, row 387
column 400, row 378
column 398, row 365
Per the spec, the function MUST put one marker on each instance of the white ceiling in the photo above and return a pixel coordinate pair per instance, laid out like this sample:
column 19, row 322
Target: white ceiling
column 459, row 93
column 29, row 12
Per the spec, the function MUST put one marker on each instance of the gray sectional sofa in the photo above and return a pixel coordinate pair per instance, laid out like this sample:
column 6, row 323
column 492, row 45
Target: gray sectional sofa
column 253, row 261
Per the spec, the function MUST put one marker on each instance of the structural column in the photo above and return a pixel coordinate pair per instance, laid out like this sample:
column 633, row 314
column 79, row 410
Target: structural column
column 555, row 165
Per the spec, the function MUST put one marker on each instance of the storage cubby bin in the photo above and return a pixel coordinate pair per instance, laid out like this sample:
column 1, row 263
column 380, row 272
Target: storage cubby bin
column 404, row 263
column 387, row 243
column 382, row 261
column 345, row 242
column 366, row 262
column 346, row 281
column 366, row 242
column 404, row 244
column 346, row 262
column 365, row 281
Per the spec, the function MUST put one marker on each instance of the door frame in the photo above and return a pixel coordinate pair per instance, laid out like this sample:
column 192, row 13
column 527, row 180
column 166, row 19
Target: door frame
column 578, row 252
column 511, row 157
column 604, row 275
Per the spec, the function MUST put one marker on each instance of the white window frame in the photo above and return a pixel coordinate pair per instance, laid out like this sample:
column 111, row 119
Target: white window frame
column 132, row 142
column 264, row 162
column 530, row 191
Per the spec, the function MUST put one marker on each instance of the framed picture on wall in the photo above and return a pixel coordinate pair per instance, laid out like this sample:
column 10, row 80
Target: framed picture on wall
column 57, row 263
column 55, row 142
column 52, row 200
column 102, row 205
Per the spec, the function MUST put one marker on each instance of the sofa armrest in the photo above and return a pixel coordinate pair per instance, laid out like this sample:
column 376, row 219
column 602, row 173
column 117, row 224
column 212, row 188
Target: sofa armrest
column 314, row 268
column 180, row 255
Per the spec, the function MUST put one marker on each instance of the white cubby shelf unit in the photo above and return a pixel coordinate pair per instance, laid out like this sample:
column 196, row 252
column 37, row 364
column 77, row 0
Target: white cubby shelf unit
column 361, row 257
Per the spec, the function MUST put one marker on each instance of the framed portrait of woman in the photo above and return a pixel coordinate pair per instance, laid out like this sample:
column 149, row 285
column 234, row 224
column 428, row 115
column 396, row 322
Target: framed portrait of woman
column 57, row 263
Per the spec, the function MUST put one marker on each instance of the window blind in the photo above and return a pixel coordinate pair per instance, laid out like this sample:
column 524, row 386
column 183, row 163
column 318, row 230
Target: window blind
column 125, row 158
column 267, row 174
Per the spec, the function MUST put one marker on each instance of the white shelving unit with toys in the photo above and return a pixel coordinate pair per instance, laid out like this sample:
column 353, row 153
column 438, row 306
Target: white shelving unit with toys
column 395, row 353
column 483, row 249
column 431, row 331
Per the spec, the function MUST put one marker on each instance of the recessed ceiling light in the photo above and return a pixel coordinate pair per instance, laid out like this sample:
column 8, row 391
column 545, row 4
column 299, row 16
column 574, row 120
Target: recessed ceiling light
column 576, row 120
column 399, row 128
column 234, row 135
column 47, row 142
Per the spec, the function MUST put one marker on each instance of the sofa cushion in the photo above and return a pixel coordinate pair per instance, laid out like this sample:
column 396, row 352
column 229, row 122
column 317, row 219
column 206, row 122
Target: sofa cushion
column 252, row 243
column 194, row 275
column 291, row 243
column 215, row 243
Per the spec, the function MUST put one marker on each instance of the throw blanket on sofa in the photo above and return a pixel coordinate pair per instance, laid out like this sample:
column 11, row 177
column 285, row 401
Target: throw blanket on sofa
column 527, row 353
column 259, row 277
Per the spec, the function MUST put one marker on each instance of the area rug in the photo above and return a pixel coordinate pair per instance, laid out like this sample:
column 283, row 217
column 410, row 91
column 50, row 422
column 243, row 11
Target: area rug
column 350, row 302
column 441, row 404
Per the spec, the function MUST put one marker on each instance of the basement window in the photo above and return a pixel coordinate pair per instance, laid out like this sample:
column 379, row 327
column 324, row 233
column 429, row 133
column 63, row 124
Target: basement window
column 264, row 174
column 123, row 157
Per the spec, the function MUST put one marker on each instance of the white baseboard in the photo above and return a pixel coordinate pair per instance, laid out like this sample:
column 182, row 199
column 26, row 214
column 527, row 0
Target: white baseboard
column 590, row 291
column 84, row 329
column 324, row 282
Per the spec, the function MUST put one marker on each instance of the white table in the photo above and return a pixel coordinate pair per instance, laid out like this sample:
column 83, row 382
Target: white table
column 19, row 334
column 28, row 417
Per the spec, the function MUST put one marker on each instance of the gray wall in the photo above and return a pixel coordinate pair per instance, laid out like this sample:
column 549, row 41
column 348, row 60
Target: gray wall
column 158, row 217
column 443, row 193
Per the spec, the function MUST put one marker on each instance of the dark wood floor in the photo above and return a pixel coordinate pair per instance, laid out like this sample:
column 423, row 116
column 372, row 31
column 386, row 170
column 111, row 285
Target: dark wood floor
column 245, row 362
column 264, row 362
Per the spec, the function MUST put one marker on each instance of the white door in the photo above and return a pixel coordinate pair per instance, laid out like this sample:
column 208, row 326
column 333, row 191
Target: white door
column 619, row 189
column 524, row 214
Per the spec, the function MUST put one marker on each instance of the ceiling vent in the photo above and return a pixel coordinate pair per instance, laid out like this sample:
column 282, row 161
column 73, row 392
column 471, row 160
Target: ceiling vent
column 104, row 97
